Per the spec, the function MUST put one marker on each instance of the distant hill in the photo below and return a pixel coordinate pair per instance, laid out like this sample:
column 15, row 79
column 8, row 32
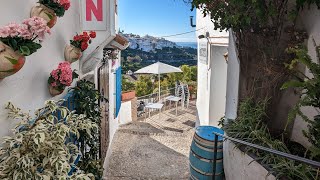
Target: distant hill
column 146, row 50
column 148, row 43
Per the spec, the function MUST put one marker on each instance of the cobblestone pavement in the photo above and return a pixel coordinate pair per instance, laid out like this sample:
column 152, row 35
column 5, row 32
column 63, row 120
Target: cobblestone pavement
column 155, row 148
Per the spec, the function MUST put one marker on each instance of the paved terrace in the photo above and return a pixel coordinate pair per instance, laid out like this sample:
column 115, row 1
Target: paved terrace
column 153, row 148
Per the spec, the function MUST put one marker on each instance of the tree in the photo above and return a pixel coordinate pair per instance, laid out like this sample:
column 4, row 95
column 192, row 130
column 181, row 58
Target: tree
column 263, row 34
column 127, row 85
column 144, row 86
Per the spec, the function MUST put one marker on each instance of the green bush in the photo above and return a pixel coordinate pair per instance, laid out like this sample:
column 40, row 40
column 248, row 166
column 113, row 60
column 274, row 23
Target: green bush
column 38, row 148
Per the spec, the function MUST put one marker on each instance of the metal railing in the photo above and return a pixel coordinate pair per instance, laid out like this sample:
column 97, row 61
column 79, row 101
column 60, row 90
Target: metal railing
column 315, row 164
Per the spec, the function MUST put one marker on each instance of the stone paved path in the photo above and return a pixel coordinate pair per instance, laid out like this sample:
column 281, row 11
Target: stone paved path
column 153, row 149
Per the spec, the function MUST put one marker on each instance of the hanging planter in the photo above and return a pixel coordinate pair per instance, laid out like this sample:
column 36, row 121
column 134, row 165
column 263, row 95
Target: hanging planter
column 60, row 78
column 18, row 41
column 80, row 43
column 72, row 54
column 49, row 10
column 10, row 61
column 53, row 91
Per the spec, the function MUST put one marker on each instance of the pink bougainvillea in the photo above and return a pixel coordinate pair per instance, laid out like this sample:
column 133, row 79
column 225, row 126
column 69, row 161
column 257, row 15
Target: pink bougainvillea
column 62, row 76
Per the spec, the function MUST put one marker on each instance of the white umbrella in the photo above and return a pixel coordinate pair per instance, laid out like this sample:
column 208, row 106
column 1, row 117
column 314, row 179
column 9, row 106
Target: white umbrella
column 158, row 68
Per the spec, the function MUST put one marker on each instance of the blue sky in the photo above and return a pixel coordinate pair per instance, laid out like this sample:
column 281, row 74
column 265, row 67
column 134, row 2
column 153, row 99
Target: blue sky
column 157, row 18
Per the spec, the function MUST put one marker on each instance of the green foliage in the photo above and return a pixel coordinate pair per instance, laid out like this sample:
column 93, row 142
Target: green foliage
column 301, row 3
column 251, row 15
column 134, row 59
column 86, row 98
column 55, row 6
column 25, row 46
column 127, row 85
column 249, row 127
column 310, row 95
column 38, row 149
column 144, row 86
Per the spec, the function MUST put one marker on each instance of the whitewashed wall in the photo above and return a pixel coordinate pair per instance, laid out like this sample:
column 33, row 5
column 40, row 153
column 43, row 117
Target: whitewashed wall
column 28, row 88
column 125, row 112
column 240, row 166
column 309, row 20
column 233, row 79
column 217, row 83
column 206, row 91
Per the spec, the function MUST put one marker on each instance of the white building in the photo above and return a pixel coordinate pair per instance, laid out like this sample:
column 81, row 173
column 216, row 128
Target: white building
column 215, row 72
column 28, row 88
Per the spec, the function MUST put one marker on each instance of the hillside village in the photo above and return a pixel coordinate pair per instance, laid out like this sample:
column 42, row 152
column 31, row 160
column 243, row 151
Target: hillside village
column 148, row 43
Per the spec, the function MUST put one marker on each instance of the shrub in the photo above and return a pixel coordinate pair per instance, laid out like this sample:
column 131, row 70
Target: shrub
column 43, row 148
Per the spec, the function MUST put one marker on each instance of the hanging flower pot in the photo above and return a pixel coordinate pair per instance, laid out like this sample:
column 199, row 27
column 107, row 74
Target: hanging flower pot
column 10, row 61
column 72, row 54
column 50, row 9
column 45, row 13
column 53, row 91
column 78, row 44
column 18, row 41
column 60, row 78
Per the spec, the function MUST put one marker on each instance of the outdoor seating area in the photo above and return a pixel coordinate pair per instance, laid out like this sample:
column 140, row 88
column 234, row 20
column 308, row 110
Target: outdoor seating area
column 178, row 97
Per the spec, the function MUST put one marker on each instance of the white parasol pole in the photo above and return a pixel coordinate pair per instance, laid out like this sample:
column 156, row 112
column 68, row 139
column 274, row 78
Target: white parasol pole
column 159, row 85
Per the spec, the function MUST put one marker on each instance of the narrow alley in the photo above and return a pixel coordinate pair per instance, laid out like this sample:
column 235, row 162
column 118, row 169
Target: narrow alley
column 156, row 148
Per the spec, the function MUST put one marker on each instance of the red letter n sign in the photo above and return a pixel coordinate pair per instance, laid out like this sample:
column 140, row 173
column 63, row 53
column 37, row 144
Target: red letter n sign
column 95, row 9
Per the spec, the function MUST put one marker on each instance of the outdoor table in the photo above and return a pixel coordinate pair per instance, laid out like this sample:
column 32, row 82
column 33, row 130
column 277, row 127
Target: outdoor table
column 154, row 106
column 174, row 99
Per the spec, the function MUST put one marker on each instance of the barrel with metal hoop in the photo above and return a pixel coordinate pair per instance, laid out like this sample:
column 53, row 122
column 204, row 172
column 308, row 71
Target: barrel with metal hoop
column 202, row 154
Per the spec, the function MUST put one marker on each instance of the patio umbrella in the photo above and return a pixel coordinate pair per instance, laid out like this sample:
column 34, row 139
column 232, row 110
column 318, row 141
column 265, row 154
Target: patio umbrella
column 158, row 68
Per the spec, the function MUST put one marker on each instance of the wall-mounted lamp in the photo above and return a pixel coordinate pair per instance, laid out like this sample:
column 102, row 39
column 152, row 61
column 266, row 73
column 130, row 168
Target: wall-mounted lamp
column 191, row 22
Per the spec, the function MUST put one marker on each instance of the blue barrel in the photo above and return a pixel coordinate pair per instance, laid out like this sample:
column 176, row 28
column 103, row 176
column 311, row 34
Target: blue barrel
column 201, row 155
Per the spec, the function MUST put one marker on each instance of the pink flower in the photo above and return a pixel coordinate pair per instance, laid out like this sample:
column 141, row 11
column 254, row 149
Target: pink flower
column 24, row 32
column 4, row 32
column 38, row 26
column 63, row 74
column 54, row 84
column 13, row 29
column 54, row 74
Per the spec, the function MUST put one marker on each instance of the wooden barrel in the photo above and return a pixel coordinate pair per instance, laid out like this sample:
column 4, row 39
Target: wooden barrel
column 201, row 155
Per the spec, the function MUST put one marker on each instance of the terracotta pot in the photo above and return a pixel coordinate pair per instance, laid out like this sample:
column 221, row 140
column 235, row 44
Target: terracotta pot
column 45, row 13
column 53, row 91
column 10, row 61
column 72, row 54
column 127, row 96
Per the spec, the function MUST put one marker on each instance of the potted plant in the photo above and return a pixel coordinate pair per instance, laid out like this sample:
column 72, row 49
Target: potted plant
column 60, row 78
column 80, row 43
column 18, row 41
column 50, row 9
column 44, row 147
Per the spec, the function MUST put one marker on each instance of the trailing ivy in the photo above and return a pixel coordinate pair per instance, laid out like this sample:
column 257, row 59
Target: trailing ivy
column 86, row 99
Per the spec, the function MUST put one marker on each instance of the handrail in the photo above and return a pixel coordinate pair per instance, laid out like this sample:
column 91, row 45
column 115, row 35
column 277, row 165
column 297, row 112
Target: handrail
column 276, row 152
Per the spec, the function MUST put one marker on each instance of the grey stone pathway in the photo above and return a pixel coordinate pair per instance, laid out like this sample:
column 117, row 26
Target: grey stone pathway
column 153, row 149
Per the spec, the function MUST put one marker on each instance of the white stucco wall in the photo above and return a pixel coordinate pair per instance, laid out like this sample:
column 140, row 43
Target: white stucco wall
column 239, row 166
column 214, row 71
column 217, row 83
column 309, row 20
column 233, row 79
column 28, row 89
column 125, row 112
